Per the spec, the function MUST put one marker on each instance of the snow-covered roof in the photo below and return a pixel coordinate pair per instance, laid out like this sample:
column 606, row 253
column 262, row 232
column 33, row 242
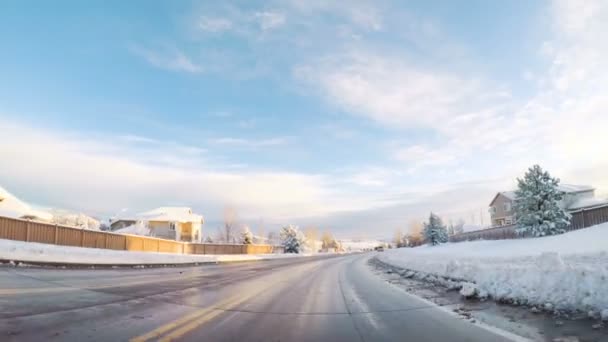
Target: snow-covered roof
column 11, row 206
column 588, row 203
column 572, row 188
column 566, row 188
column 508, row 194
column 162, row 214
column 135, row 229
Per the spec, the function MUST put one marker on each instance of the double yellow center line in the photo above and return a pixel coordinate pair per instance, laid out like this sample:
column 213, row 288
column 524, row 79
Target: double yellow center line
column 178, row 328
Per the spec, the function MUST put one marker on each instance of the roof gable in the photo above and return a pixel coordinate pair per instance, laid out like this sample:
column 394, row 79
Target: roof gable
column 507, row 194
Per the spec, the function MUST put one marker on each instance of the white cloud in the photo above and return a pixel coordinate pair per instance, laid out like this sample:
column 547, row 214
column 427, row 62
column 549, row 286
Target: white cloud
column 170, row 60
column 269, row 20
column 215, row 25
column 103, row 175
column 417, row 156
column 393, row 92
column 367, row 17
column 561, row 125
column 240, row 142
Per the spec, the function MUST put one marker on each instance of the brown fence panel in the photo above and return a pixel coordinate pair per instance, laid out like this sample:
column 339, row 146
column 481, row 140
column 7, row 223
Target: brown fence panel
column 39, row 232
column 189, row 248
column 135, row 243
column 168, row 246
column 23, row 230
column 258, row 249
column 201, row 249
column 210, row 249
column 12, row 229
column 69, row 236
column 92, row 239
column 116, row 242
column 149, row 245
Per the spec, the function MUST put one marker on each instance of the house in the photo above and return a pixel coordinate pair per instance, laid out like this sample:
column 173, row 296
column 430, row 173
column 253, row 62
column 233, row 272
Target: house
column 575, row 197
column 174, row 223
column 501, row 209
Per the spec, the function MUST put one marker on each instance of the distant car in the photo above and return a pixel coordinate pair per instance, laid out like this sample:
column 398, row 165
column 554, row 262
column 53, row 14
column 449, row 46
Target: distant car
column 379, row 249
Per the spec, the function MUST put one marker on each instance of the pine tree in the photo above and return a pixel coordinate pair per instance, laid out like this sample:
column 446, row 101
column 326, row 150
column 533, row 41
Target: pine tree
column 293, row 239
column 246, row 236
column 434, row 231
column 537, row 207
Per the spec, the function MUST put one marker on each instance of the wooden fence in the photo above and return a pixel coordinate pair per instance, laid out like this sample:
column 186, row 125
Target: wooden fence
column 580, row 219
column 31, row 231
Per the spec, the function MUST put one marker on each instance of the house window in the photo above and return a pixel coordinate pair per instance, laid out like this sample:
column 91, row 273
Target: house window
column 507, row 206
column 508, row 221
column 171, row 225
column 492, row 210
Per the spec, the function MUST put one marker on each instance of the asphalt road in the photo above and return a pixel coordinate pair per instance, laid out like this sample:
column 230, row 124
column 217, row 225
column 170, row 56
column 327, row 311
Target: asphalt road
column 303, row 299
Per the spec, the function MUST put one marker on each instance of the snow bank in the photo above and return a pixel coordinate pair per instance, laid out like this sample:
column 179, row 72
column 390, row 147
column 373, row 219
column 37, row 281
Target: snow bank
column 135, row 229
column 37, row 252
column 71, row 219
column 360, row 245
column 568, row 272
column 11, row 206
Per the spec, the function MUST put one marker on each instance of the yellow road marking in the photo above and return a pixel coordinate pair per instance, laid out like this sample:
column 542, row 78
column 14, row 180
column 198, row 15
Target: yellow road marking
column 184, row 329
column 167, row 327
column 193, row 320
column 178, row 328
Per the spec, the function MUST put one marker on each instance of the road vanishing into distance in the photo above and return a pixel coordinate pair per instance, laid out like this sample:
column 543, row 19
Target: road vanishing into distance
column 297, row 299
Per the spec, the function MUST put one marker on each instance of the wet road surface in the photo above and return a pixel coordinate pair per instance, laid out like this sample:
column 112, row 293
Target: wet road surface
column 299, row 299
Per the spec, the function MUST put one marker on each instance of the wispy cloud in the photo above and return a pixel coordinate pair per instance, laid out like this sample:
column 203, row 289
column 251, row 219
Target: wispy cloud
column 121, row 174
column 215, row 25
column 269, row 20
column 249, row 143
column 173, row 60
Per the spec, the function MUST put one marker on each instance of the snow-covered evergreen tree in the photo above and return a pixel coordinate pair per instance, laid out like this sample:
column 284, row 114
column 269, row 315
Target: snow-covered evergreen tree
column 293, row 239
column 434, row 230
column 246, row 236
column 537, row 207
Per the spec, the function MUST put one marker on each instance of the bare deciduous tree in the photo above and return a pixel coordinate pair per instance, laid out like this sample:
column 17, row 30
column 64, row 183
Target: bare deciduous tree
column 230, row 220
column 415, row 229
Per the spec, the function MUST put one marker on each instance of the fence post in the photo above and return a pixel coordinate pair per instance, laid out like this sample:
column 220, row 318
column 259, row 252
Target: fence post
column 27, row 231
column 82, row 238
column 56, row 239
column 105, row 241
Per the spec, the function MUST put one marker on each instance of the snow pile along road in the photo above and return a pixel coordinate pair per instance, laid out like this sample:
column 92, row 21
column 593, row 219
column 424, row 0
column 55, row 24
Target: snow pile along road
column 42, row 253
column 563, row 272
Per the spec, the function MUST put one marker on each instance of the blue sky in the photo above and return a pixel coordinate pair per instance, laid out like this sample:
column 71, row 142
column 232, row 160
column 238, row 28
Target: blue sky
column 355, row 119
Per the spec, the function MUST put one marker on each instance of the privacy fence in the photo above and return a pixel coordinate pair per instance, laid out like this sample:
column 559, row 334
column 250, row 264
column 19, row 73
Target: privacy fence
column 31, row 231
column 580, row 219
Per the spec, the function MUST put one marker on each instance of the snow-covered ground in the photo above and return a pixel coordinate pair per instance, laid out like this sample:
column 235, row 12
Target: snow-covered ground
column 11, row 206
column 563, row 272
column 37, row 252
column 135, row 229
column 359, row 245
